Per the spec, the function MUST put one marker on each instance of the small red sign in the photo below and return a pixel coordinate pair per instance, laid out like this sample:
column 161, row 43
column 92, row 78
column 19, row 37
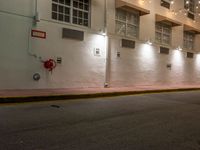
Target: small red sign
column 38, row 34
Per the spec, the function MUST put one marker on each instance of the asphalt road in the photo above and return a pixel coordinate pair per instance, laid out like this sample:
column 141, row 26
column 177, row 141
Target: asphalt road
column 169, row 121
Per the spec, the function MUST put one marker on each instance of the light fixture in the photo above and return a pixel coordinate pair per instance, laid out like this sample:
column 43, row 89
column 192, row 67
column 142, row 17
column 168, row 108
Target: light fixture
column 144, row 1
column 179, row 48
column 102, row 32
column 148, row 42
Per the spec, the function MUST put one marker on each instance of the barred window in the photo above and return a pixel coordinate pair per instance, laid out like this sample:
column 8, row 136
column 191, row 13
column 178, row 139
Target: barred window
column 71, row 11
column 163, row 33
column 127, row 23
column 189, row 40
column 165, row 3
column 189, row 5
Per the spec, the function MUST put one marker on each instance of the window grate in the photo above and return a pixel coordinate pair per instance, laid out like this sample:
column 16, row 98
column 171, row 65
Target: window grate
column 190, row 15
column 190, row 55
column 164, row 50
column 128, row 43
column 73, row 34
column 165, row 4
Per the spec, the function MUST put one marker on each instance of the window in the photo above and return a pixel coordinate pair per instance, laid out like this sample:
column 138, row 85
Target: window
column 165, row 3
column 163, row 33
column 71, row 11
column 189, row 5
column 127, row 23
column 189, row 40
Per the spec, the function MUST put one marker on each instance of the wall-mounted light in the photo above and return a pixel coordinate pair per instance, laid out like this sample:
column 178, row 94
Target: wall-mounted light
column 149, row 42
column 144, row 1
column 179, row 48
column 102, row 32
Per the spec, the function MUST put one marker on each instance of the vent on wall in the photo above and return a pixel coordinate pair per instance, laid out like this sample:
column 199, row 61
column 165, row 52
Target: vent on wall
column 128, row 43
column 190, row 55
column 164, row 50
column 73, row 34
column 190, row 15
column 165, row 4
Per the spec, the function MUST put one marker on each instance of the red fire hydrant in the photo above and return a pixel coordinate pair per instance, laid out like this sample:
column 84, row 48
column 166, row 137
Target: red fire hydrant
column 49, row 64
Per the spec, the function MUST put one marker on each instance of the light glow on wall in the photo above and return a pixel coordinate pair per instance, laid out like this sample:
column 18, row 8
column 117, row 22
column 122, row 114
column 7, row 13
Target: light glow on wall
column 147, row 51
column 177, row 57
column 141, row 2
column 178, row 64
column 148, row 55
column 98, row 41
column 197, row 62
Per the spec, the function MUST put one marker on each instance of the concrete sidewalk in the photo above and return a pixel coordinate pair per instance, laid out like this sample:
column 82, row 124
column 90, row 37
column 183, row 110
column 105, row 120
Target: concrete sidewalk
column 28, row 95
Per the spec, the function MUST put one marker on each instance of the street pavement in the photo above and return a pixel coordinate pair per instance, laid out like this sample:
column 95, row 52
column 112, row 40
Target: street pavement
column 165, row 121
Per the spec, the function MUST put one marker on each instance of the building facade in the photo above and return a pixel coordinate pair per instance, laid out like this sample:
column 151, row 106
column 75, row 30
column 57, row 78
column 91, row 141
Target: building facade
column 97, row 43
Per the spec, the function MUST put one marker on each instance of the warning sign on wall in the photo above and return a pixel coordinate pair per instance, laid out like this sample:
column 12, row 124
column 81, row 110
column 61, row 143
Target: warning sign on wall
column 38, row 34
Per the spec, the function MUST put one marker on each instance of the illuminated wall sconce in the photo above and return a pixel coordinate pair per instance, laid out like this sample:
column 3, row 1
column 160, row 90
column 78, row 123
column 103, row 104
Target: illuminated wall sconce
column 144, row 1
column 179, row 48
column 102, row 32
column 149, row 42
column 172, row 2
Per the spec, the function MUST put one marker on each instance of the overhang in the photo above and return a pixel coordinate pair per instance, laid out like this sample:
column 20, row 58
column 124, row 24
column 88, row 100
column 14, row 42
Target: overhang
column 170, row 21
column 191, row 29
column 123, row 4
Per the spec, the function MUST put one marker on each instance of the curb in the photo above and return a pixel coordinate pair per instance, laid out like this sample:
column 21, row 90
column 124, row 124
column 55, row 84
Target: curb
column 23, row 99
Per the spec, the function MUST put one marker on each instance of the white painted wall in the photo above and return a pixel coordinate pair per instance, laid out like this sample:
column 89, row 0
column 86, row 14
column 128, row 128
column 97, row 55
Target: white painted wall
column 80, row 68
column 144, row 65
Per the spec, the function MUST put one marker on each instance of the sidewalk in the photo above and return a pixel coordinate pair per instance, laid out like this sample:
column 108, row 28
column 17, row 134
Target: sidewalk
column 75, row 93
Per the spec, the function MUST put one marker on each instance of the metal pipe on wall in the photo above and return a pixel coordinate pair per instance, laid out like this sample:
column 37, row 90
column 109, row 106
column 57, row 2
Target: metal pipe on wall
column 107, row 47
column 36, row 6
